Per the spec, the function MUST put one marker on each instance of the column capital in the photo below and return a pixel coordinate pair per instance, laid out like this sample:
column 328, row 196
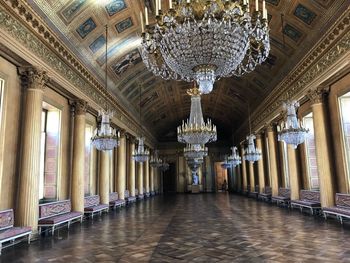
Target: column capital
column 317, row 95
column 33, row 78
column 79, row 106
column 123, row 133
column 270, row 127
column 259, row 135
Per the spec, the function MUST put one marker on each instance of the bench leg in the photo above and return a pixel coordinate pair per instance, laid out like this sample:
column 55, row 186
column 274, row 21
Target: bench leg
column 341, row 219
column 29, row 235
column 68, row 225
column 39, row 230
column 325, row 215
column 312, row 211
column 81, row 219
column 53, row 230
column 0, row 248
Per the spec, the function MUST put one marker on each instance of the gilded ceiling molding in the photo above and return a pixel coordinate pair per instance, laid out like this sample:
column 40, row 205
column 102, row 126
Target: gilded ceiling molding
column 322, row 57
column 20, row 21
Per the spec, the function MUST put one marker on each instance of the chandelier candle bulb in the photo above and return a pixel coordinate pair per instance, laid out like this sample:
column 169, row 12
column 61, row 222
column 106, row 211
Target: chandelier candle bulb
column 146, row 16
column 257, row 5
column 157, row 8
column 142, row 25
column 170, row 4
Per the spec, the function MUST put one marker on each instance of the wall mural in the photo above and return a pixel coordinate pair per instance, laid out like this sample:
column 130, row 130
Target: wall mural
column 98, row 43
column 124, row 25
column 292, row 32
column 85, row 28
column 131, row 59
column 115, row 6
column 304, row 14
column 71, row 10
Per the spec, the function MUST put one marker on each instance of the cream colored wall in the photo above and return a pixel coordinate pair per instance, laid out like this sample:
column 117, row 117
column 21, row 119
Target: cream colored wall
column 10, row 134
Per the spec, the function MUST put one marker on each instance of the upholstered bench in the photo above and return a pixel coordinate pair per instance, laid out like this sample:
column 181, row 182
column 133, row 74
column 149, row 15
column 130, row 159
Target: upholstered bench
column 153, row 193
column 138, row 196
column 254, row 194
column 341, row 209
column 308, row 199
column 9, row 233
column 145, row 193
column 114, row 200
column 283, row 197
column 128, row 198
column 92, row 205
column 57, row 213
column 266, row 194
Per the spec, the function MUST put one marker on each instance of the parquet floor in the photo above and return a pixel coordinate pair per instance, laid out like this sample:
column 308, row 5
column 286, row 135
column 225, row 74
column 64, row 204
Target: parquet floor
column 194, row 228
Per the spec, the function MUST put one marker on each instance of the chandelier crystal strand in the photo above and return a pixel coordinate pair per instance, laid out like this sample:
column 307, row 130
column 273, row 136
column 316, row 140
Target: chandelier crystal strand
column 292, row 130
column 195, row 131
column 234, row 159
column 105, row 138
column 155, row 161
column 205, row 40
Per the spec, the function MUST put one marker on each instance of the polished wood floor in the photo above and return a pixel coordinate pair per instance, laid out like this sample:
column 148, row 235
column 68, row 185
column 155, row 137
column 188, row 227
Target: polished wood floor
column 194, row 228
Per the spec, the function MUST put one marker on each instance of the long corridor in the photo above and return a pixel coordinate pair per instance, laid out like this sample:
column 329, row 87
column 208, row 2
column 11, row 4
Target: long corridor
column 193, row 228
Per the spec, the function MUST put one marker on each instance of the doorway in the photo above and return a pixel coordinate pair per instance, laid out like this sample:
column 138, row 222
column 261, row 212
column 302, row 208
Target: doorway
column 169, row 179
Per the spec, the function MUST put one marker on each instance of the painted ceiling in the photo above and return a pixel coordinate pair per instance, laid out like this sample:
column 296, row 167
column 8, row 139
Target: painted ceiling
column 81, row 25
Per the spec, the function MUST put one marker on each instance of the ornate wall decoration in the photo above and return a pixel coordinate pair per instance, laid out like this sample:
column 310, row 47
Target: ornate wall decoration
column 292, row 32
column 115, row 6
column 124, row 25
column 98, row 43
column 131, row 59
column 71, row 10
column 85, row 28
column 304, row 14
column 149, row 98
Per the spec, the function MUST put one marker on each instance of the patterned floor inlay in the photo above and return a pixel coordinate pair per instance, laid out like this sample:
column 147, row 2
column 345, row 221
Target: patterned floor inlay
column 193, row 228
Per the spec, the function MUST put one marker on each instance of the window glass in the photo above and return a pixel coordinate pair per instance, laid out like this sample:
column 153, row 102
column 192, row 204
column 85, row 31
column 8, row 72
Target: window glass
column 310, row 148
column 285, row 164
column 344, row 103
column 88, row 158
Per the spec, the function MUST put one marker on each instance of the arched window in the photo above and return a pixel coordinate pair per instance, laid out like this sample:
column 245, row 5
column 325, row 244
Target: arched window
column 88, row 159
column 310, row 148
column 344, row 103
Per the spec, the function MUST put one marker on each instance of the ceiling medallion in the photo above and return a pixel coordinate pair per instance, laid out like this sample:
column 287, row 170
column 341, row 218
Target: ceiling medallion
column 205, row 40
column 292, row 130
column 195, row 131
column 105, row 137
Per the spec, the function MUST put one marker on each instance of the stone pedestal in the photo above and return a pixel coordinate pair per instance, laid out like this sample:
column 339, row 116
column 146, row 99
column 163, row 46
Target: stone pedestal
column 195, row 189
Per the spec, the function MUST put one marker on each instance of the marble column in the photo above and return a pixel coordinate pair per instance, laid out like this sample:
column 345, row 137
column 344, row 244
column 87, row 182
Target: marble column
column 131, row 169
column 111, row 171
column 121, row 176
column 140, row 178
column 151, row 179
column 77, row 187
column 271, row 135
column 324, row 162
column 293, row 173
column 28, row 194
column 260, row 163
column 146, row 176
column 244, row 170
column 251, row 176
column 104, row 177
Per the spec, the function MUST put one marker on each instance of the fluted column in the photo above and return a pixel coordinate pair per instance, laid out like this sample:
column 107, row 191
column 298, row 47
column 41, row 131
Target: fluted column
column 271, row 135
column 322, row 147
column 146, row 176
column 140, row 178
column 28, row 194
column 244, row 170
column 121, row 176
column 132, row 169
column 151, row 179
column 251, row 176
column 77, row 187
column 261, row 172
column 293, row 173
column 104, row 177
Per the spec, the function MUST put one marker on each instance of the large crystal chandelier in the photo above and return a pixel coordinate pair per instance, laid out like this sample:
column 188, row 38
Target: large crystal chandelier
column 251, row 153
column 195, row 131
column 191, row 152
column 141, row 154
column 226, row 164
column 292, row 130
column 155, row 161
column 105, row 138
column 194, row 163
column 204, row 40
column 234, row 159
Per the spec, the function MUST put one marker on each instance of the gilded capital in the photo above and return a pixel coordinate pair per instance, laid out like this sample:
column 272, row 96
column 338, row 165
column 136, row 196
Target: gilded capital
column 122, row 133
column 317, row 95
column 33, row 78
column 80, row 107
column 270, row 127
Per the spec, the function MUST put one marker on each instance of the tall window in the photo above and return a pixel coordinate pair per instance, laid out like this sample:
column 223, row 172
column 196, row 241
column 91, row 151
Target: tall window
column 344, row 103
column 285, row 164
column 310, row 147
column 88, row 159
column 49, row 152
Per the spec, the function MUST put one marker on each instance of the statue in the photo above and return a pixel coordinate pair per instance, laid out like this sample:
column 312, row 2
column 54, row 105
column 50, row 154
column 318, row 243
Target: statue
column 195, row 179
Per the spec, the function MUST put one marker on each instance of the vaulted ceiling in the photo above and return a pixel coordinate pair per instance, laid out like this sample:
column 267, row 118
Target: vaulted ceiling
column 80, row 24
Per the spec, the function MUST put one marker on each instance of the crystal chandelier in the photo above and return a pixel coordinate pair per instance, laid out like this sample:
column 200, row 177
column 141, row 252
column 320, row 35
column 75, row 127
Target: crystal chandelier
column 195, row 131
column 164, row 166
column 234, row 159
column 194, row 163
column 251, row 153
column 204, row 40
column 191, row 152
column 155, row 161
column 226, row 164
column 140, row 154
column 292, row 130
column 105, row 138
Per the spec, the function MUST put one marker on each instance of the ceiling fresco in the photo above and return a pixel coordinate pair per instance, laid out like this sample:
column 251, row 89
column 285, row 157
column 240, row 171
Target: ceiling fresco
column 81, row 25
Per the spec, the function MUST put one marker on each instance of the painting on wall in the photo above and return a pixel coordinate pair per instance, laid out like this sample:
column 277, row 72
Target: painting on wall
column 98, row 43
column 124, row 25
column 292, row 32
column 304, row 14
column 126, row 62
column 71, row 10
column 115, row 6
column 85, row 28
